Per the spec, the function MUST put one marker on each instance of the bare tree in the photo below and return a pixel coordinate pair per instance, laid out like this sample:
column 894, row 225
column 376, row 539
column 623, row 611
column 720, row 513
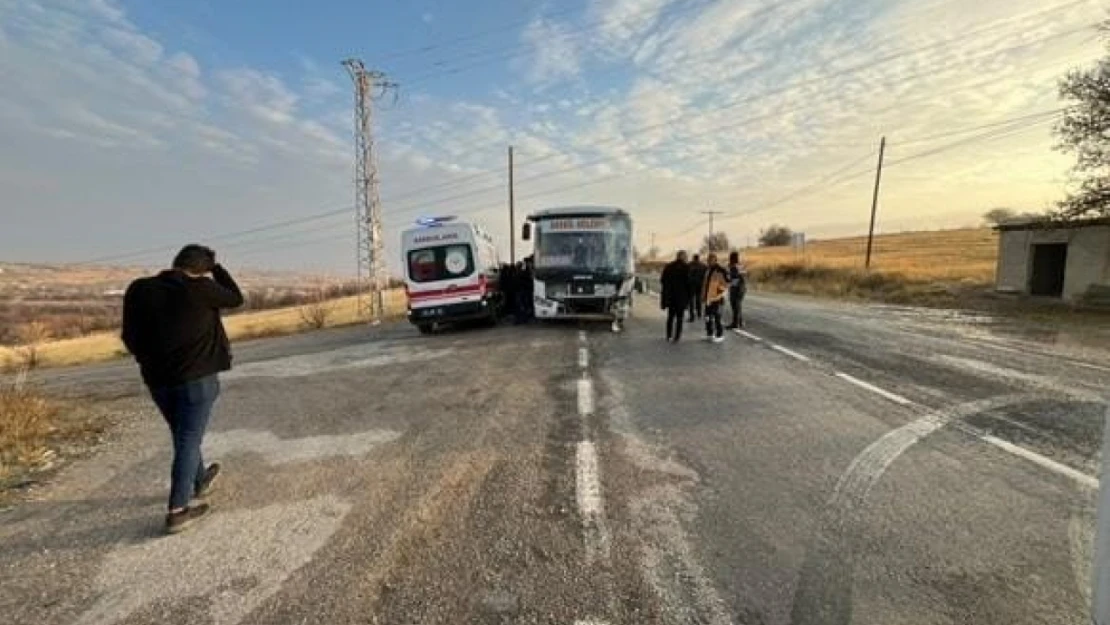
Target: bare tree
column 776, row 236
column 315, row 312
column 1085, row 131
column 999, row 216
column 31, row 337
column 715, row 242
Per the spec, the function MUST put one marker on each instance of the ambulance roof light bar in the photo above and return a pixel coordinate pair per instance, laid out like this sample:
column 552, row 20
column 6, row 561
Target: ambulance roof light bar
column 431, row 222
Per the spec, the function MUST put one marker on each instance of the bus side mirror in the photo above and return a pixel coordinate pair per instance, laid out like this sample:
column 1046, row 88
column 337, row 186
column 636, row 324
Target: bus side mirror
column 526, row 232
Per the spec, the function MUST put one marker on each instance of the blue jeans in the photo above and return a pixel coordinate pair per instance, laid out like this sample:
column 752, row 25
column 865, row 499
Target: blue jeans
column 186, row 409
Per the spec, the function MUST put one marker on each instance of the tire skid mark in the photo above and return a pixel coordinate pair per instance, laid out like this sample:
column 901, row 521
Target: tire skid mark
column 824, row 592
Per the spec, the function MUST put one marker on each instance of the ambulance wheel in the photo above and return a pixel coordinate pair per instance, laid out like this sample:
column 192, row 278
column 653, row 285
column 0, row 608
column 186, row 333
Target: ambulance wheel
column 426, row 328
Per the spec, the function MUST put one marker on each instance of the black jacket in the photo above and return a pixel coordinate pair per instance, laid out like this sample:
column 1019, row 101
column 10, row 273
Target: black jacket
column 675, row 284
column 697, row 276
column 171, row 324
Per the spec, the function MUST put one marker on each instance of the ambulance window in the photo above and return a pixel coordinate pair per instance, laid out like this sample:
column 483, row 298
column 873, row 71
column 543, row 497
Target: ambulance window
column 441, row 263
column 422, row 265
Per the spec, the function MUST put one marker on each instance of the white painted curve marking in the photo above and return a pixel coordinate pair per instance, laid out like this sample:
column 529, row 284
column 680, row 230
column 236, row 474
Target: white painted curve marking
column 583, row 358
column 1078, row 476
column 265, row 545
column 898, row 399
column 866, row 468
column 748, row 335
column 590, row 506
column 585, row 397
column 789, row 352
column 281, row 451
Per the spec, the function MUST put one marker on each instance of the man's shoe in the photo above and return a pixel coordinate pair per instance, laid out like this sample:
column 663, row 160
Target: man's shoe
column 182, row 519
column 719, row 339
column 208, row 482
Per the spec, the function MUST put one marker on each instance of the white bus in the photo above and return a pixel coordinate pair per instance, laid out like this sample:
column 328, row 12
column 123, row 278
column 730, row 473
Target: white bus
column 583, row 263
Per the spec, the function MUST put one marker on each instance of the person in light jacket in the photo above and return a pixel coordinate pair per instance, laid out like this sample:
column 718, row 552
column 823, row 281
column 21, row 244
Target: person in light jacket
column 713, row 294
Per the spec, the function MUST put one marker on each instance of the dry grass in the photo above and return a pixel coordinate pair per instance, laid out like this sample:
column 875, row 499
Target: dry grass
column 278, row 322
column 967, row 256
column 925, row 268
column 26, row 425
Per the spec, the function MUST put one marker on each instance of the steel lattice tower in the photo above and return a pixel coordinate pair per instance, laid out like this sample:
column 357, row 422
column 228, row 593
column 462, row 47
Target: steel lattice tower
column 372, row 273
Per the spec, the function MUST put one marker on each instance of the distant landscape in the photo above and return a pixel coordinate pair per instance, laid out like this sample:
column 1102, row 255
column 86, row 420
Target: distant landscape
column 932, row 268
column 43, row 302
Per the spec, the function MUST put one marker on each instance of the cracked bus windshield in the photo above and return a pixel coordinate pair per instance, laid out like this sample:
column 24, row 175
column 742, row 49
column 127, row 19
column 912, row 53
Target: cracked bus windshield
column 590, row 312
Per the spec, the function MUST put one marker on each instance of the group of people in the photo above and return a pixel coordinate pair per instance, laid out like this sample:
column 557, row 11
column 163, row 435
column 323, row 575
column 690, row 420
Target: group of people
column 517, row 287
column 691, row 290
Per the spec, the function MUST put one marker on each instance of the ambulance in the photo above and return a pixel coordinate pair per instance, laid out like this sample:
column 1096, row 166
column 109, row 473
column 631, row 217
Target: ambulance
column 451, row 271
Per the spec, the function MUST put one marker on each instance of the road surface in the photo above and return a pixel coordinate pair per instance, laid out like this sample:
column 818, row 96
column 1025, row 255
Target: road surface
column 835, row 464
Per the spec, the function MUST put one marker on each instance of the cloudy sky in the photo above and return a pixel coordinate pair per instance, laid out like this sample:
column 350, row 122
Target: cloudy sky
column 128, row 127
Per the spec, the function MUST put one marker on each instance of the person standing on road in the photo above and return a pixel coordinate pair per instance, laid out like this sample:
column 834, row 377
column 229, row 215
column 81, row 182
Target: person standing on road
column 737, row 288
column 697, row 277
column 172, row 326
column 675, row 297
column 713, row 293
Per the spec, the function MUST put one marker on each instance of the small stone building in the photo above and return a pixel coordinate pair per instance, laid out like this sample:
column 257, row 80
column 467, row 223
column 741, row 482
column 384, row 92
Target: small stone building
column 1069, row 260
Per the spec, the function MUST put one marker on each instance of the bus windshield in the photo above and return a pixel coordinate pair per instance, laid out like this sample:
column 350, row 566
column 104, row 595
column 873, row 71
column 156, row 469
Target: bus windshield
column 604, row 248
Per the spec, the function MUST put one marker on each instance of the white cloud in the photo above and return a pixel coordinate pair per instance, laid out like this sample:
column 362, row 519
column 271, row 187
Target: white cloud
column 262, row 95
column 556, row 54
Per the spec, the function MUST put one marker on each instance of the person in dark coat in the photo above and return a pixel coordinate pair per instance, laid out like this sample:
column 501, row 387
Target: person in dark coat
column 675, row 296
column 507, row 281
column 172, row 326
column 524, row 290
column 697, row 277
column 737, row 288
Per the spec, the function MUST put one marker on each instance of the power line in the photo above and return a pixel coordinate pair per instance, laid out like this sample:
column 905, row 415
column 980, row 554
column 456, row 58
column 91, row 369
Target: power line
column 421, row 191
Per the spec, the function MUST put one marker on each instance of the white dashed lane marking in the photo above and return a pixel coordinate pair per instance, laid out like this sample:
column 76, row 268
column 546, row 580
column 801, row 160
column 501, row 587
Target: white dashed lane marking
column 789, row 352
column 748, row 335
column 1079, row 477
column 583, row 358
column 898, row 399
column 1043, row 461
column 585, row 397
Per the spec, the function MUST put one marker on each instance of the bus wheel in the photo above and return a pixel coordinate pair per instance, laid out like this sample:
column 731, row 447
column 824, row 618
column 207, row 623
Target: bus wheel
column 426, row 328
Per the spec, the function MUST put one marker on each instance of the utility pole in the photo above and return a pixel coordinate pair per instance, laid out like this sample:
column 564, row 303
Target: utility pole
column 711, row 214
column 875, row 203
column 369, row 86
column 512, row 211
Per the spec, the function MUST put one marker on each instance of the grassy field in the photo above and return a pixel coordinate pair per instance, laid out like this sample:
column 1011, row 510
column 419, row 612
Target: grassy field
column 107, row 345
column 928, row 268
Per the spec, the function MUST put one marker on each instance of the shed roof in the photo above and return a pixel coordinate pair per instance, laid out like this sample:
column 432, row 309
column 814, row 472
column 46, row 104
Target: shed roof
column 1054, row 224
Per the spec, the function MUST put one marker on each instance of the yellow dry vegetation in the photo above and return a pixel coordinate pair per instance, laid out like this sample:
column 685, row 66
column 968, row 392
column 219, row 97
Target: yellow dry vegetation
column 944, row 255
column 278, row 322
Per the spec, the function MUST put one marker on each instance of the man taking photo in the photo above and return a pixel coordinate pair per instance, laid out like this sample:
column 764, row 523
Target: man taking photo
column 172, row 326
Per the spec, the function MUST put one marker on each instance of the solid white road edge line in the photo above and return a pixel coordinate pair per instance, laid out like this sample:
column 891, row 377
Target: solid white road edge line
column 583, row 358
column 748, row 335
column 1047, row 463
column 585, row 397
column 793, row 354
column 898, row 399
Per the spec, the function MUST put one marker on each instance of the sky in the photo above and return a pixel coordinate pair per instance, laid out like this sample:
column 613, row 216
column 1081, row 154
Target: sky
column 128, row 128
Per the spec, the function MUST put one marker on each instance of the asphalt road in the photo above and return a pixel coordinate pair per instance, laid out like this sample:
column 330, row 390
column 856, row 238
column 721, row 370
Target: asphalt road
column 837, row 464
